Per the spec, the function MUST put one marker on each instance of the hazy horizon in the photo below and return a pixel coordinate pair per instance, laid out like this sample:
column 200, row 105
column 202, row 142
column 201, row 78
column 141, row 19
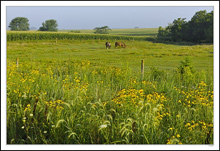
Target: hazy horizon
column 116, row 17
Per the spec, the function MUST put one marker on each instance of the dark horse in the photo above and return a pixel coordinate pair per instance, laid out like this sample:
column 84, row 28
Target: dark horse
column 108, row 45
column 120, row 44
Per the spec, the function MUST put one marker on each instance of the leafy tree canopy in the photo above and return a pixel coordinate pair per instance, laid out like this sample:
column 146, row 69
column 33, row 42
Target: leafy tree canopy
column 198, row 29
column 102, row 30
column 49, row 25
column 19, row 24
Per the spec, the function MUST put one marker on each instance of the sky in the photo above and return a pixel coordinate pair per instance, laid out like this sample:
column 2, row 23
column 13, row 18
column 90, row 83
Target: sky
column 89, row 17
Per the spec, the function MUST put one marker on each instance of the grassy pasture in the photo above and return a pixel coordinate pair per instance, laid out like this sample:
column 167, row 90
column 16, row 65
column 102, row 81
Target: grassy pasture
column 163, row 56
column 79, row 92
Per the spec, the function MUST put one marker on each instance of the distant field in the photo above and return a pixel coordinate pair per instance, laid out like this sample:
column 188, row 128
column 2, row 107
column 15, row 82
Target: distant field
column 136, row 32
column 127, row 32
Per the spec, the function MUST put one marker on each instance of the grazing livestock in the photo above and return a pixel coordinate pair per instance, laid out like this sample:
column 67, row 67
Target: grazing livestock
column 120, row 44
column 123, row 45
column 108, row 45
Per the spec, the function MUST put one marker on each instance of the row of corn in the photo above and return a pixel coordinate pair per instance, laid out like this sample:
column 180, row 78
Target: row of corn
column 17, row 36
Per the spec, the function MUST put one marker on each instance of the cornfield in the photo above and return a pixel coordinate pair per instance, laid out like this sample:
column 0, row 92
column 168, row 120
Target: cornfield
column 21, row 36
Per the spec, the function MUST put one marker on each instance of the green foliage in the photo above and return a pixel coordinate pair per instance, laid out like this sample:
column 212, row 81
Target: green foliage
column 186, row 72
column 198, row 29
column 185, row 64
column 49, row 25
column 19, row 24
column 177, row 29
column 156, row 74
column 200, row 23
column 163, row 34
column 102, row 30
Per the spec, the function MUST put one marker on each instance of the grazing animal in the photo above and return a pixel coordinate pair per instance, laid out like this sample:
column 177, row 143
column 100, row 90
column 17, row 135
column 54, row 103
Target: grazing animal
column 123, row 45
column 108, row 45
column 117, row 44
column 120, row 44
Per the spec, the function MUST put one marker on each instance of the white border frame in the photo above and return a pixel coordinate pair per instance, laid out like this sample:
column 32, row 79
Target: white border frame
column 215, row 4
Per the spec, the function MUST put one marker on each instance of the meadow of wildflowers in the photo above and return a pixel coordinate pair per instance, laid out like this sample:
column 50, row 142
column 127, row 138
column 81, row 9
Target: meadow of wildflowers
column 75, row 102
column 71, row 90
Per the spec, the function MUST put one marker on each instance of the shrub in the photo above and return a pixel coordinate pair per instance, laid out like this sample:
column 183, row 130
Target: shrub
column 156, row 74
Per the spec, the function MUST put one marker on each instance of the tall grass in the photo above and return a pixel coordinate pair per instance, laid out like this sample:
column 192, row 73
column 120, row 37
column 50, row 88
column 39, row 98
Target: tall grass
column 74, row 102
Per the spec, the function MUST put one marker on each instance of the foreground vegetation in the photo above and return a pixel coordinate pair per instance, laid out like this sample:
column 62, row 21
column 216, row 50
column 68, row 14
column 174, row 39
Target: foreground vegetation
column 73, row 102
column 75, row 91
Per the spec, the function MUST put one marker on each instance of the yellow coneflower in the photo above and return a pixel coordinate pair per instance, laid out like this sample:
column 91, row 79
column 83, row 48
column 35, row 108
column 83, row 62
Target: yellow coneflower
column 170, row 128
column 187, row 124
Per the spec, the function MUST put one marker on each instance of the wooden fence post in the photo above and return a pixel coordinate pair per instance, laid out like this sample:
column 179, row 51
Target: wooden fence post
column 142, row 69
column 17, row 62
column 56, row 40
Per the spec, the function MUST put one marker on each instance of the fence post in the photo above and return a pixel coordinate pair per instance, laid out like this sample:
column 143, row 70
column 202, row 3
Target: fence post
column 56, row 40
column 17, row 62
column 142, row 69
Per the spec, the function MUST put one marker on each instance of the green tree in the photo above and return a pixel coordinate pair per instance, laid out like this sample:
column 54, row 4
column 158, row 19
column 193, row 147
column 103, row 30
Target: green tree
column 163, row 34
column 201, row 24
column 198, row 29
column 49, row 25
column 43, row 28
column 176, row 29
column 19, row 24
column 102, row 30
column 209, row 29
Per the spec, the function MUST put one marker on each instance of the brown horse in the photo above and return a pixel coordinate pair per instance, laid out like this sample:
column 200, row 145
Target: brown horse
column 108, row 45
column 123, row 45
column 120, row 44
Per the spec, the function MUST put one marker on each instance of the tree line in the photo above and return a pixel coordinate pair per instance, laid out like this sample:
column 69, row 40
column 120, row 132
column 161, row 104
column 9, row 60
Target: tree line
column 198, row 29
column 21, row 24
